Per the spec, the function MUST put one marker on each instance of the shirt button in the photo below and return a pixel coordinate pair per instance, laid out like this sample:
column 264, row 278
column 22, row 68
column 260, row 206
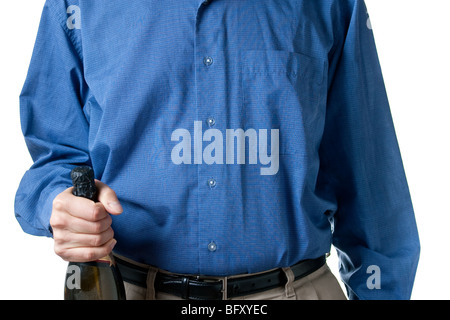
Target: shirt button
column 211, row 183
column 211, row 121
column 208, row 61
column 212, row 246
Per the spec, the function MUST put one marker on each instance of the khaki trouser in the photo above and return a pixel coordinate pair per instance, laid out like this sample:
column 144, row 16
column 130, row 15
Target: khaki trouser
column 319, row 285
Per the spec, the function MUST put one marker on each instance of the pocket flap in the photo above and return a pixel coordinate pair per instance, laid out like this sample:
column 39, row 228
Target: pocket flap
column 283, row 63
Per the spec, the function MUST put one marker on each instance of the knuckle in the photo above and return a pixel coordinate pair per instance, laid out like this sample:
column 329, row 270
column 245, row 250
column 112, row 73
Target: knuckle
column 60, row 251
column 59, row 240
column 97, row 228
column 96, row 241
column 56, row 220
column 88, row 255
column 105, row 251
column 96, row 212
column 58, row 203
column 65, row 238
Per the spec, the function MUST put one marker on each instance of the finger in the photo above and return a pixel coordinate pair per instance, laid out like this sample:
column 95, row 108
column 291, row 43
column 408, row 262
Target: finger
column 85, row 254
column 73, row 224
column 68, row 239
column 108, row 198
column 79, row 207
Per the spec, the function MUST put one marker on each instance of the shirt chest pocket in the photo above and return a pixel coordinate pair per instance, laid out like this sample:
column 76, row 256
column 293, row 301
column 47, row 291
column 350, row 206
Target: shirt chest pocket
column 281, row 90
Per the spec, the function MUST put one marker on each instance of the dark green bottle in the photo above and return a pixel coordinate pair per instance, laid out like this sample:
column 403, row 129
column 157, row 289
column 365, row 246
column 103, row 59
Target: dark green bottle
column 95, row 280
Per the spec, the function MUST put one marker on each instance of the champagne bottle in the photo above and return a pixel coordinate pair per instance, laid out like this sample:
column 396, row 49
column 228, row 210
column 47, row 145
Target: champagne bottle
column 95, row 280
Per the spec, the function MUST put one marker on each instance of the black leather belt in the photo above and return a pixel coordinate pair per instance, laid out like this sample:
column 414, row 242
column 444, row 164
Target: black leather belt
column 203, row 288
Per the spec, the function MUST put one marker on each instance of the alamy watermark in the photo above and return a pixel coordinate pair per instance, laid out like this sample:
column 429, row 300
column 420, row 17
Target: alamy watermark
column 374, row 280
column 73, row 277
column 219, row 151
column 74, row 20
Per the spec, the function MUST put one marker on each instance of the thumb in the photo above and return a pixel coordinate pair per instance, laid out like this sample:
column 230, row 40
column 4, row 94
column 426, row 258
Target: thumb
column 108, row 198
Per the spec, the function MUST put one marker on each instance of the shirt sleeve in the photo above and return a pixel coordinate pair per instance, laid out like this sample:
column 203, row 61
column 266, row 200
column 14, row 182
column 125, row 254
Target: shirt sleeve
column 52, row 119
column 375, row 232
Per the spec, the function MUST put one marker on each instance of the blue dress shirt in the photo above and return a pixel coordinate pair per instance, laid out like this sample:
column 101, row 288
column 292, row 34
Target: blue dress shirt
column 239, row 135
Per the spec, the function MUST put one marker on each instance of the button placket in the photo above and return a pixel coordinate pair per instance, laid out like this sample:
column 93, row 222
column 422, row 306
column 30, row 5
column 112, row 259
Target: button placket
column 208, row 64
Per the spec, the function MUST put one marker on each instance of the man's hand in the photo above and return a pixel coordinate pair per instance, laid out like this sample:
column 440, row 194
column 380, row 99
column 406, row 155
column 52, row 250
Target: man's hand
column 81, row 228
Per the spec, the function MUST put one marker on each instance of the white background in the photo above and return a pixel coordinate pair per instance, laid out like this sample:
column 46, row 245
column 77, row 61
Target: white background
column 413, row 40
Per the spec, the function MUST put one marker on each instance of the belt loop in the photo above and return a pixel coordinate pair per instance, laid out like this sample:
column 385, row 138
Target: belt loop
column 151, row 276
column 225, row 288
column 185, row 292
column 289, row 288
